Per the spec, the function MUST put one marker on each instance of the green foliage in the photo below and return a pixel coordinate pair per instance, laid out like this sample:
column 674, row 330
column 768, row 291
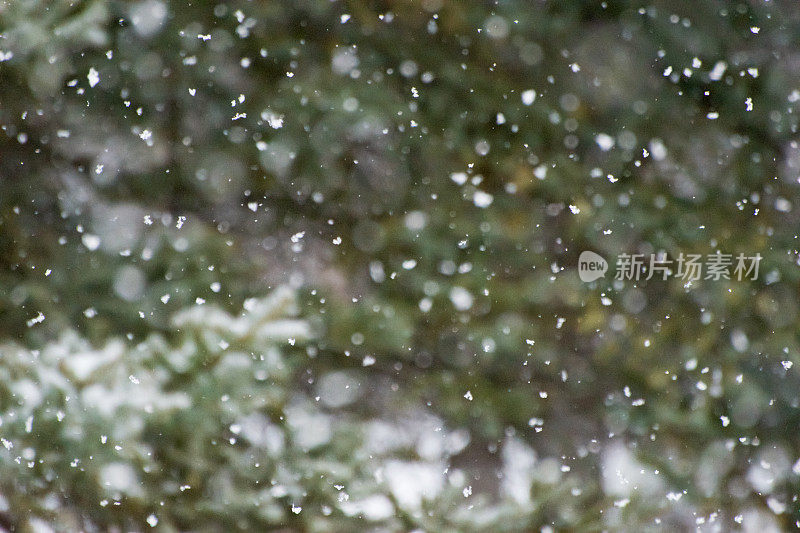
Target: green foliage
column 103, row 438
column 389, row 161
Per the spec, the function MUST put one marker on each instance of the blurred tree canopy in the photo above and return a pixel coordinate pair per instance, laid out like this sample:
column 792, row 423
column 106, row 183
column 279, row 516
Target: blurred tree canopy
column 421, row 176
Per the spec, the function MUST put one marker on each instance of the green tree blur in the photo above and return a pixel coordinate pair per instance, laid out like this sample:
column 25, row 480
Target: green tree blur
column 412, row 182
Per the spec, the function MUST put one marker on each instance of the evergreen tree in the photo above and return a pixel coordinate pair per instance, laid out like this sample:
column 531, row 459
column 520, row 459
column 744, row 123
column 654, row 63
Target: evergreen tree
column 423, row 177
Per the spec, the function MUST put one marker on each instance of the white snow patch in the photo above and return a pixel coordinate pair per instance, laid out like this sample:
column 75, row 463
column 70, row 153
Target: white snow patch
column 461, row 298
column 604, row 141
column 482, row 199
column 93, row 77
column 528, row 97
